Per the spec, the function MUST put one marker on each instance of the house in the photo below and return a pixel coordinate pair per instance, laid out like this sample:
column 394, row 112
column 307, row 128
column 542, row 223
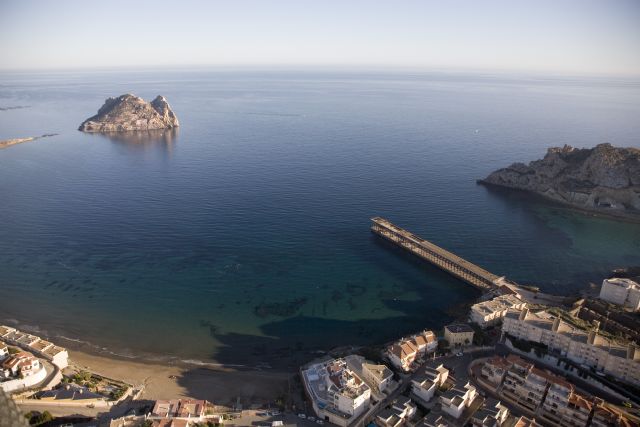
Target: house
column 389, row 418
column 491, row 414
column 623, row 292
column 378, row 375
column 425, row 342
column 179, row 409
column 4, row 352
column 456, row 400
column 20, row 364
column 526, row 422
column 401, row 410
column 402, row 354
column 458, row 335
column 426, row 383
column 57, row 355
column 434, row 420
column 404, row 407
column 580, row 346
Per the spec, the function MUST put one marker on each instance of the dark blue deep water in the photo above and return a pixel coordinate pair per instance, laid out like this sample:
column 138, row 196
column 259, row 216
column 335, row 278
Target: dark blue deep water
column 244, row 236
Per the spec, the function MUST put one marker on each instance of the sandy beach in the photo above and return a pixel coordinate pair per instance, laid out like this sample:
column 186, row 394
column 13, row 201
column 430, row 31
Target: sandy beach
column 221, row 386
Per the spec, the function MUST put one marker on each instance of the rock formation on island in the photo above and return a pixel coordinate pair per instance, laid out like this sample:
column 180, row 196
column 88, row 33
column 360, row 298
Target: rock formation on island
column 601, row 179
column 128, row 112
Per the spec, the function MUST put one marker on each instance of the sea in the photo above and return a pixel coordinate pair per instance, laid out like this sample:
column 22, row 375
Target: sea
column 243, row 237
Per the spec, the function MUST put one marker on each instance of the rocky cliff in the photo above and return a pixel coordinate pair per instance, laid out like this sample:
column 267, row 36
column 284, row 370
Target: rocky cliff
column 603, row 179
column 128, row 112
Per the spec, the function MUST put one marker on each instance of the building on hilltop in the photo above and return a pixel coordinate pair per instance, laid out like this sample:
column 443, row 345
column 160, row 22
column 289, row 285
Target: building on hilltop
column 489, row 313
column 458, row 335
column 624, row 292
column 580, row 346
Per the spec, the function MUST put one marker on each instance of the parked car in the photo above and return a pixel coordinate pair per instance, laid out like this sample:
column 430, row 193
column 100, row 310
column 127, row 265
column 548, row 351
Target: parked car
column 303, row 416
column 319, row 421
column 311, row 418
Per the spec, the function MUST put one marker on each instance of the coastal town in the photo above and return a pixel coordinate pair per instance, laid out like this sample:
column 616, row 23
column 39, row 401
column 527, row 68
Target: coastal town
column 518, row 358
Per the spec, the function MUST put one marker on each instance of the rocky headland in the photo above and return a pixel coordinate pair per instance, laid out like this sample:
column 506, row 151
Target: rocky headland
column 131, row 113
column 603, row 179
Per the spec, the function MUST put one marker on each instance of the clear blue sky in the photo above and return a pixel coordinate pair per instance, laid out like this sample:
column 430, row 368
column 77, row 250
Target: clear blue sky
column 557, row 36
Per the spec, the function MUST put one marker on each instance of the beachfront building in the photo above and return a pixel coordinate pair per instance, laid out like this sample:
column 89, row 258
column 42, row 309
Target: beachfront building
column 377, row 375
column 492, row 414
column 580, row 346
column 456, row 400
column 337, row 394
column 623, row 292
column 189, row 410
column 20, row 364
column 32, row 343
column 19, row 371
column 425, row 384
column 403, row 353
column 458, row 335
column 489, row 313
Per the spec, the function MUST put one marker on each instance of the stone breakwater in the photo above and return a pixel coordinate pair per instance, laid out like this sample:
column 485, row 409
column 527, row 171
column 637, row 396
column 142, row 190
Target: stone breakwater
column 131, row 113
column 602, row 179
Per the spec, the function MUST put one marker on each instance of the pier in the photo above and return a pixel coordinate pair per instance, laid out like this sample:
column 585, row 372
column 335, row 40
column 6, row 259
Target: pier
column 447, row 261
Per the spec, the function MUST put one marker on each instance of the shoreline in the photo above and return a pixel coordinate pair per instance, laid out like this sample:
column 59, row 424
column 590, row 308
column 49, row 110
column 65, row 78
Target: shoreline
column 167, row 381
column 5, row 143
column 620, row 216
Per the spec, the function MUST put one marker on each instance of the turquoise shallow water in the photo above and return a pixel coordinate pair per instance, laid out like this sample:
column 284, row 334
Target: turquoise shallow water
column 244, row 236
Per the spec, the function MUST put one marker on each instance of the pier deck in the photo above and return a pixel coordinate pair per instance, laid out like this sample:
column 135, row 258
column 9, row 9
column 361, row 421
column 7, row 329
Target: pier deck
column 449, row 262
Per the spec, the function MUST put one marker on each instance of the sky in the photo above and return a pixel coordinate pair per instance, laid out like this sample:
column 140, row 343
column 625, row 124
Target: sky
column 548, row 36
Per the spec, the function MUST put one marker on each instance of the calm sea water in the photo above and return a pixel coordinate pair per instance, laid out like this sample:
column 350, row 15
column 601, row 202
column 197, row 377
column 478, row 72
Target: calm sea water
column 244, row 236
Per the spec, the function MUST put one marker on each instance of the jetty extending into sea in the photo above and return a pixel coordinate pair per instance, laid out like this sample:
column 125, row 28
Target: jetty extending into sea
column 447, row 261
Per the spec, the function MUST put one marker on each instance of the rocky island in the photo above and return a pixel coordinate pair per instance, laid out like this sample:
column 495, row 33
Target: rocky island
column 603, row 179
column 130, row 113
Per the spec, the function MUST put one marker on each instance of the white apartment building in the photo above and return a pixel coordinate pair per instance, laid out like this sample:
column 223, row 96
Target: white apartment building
column 489, row 313
column 582, row 347
column 624, row 292
column 338, row 395
column 426, row 383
